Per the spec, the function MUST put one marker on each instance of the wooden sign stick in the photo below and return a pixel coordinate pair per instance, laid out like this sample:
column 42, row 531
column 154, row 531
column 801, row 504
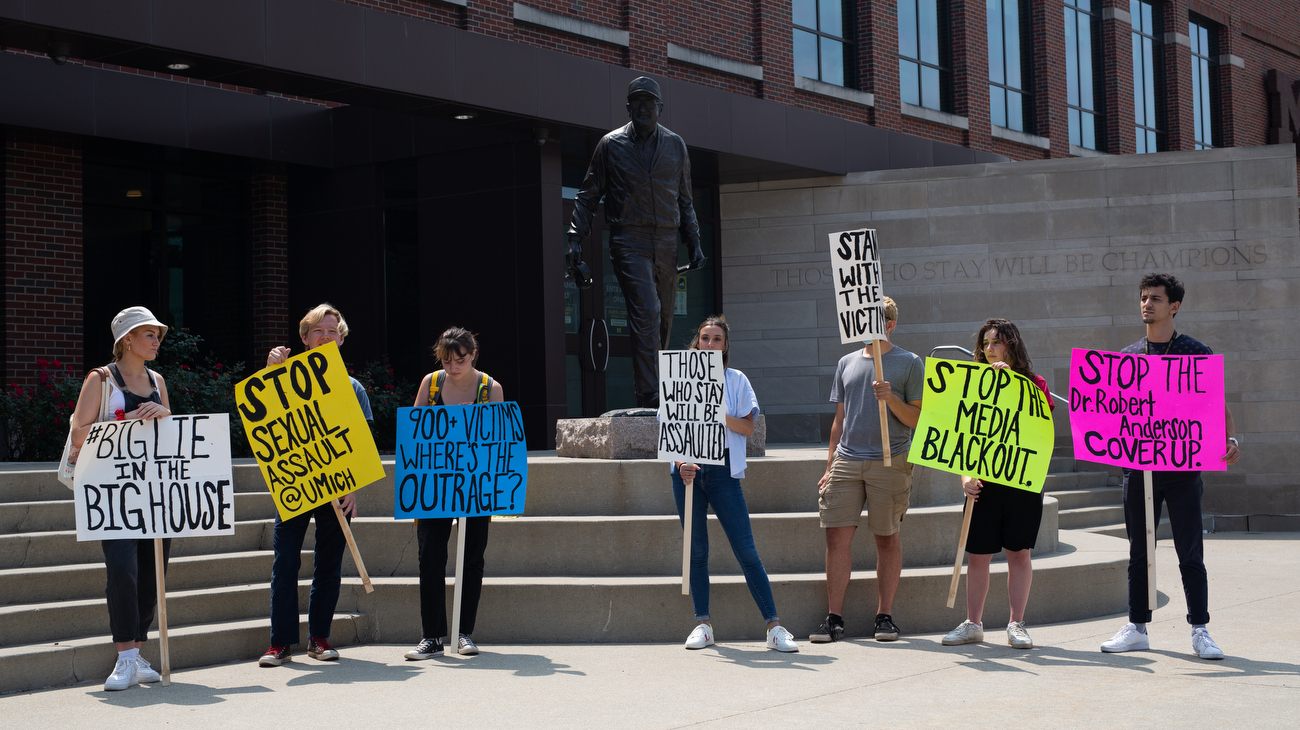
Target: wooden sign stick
column 884, row 409
column 961, row 550
column 160, row 579
column 1151, row 540
column 453, row 638
column 352, row 545
column 686, row 537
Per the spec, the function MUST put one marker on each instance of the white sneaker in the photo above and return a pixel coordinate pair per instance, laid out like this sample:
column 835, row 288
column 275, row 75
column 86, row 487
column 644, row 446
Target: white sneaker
column 123, row 676
column 967, row 632
column 1018, row 637
column 701, row 637
column 144, row 672
column 780, row 639
column 1128, row 639
column 1203, row 646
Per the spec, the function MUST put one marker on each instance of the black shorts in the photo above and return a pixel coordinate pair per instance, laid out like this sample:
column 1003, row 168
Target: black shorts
column 1005, row 518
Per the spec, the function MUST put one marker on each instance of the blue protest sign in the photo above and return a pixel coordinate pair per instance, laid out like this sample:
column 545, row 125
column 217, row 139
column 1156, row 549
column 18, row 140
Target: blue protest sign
column 460, row 461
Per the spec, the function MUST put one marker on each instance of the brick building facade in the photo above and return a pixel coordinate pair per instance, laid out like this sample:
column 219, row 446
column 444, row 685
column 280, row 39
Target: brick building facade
column 302, row 117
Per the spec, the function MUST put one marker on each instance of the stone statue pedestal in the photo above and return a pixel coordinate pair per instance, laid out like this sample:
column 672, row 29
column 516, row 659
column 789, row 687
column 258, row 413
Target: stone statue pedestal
column 628, row 437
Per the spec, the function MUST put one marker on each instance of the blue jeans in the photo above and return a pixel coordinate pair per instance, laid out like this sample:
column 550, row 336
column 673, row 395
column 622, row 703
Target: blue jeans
column 328, row 562
column 715, row 487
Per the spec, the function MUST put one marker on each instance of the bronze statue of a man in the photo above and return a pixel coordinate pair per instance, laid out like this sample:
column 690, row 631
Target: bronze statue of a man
column 644, row 174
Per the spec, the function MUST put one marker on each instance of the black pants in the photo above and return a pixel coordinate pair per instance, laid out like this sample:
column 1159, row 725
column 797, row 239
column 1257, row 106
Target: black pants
column 132, row 589
column 433, row 535
column 1184, row 499
column 645, row 262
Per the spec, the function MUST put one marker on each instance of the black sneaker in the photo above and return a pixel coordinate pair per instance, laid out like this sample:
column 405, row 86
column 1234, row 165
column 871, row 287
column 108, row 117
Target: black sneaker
column 274, row 656
column 425, row 649
column 886, row 629
column 829, row 631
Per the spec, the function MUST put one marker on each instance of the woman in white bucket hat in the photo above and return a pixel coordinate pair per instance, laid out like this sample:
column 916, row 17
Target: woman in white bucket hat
column 134, row 392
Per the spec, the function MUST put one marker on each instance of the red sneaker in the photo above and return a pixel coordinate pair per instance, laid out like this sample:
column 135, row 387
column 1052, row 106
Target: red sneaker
column 318, row 648
column 274, row 656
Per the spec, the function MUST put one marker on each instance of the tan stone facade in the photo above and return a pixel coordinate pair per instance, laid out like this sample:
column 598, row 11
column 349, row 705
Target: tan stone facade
column 1056, row 246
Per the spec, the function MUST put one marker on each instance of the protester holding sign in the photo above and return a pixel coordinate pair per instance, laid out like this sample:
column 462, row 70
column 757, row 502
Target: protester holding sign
column 321, row 325
column 856, row 474
column 1161, row 296
column 1002, row 517
column 718, row 485
column 134, row 392
column 458, row 383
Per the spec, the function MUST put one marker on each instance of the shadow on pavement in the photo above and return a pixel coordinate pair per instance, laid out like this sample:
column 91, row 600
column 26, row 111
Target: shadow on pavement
column 1232, row 666
column 994, row 657
column 346, row 671
column 179, row 693
column 764, row 658
column 521, row 665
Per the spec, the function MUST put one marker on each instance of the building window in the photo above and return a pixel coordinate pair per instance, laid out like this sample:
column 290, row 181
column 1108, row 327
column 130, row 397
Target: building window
column 1148, row 77
column 924, row 66
column 1205, row 84
column 1010, row 105
column 1082, row 55
column 823, row 47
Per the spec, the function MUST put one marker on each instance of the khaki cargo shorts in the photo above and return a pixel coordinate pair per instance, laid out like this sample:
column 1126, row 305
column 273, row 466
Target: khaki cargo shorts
column 884, row 490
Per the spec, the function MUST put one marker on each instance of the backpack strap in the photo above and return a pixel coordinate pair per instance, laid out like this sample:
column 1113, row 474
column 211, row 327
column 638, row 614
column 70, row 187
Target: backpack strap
column 435, row 385
column 484, row 389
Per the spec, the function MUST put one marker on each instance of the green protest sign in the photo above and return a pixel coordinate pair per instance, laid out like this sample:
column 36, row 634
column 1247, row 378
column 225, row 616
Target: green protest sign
column 985, row 422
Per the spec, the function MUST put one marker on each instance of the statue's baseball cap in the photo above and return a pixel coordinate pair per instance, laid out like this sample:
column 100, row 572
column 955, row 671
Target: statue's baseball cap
column 644, row 85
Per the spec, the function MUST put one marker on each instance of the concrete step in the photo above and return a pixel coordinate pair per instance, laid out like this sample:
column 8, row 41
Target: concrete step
column 1095, row 497
column 1085, row 517
column 1082, row 579
column 60, row 620
column 74, row 582
column 651, row 545
column 60, row 547
column 1061, row 464
column 1163, row 532
column 48, row 516
column 1067, row 481
column 527, row 546
column 34, row 666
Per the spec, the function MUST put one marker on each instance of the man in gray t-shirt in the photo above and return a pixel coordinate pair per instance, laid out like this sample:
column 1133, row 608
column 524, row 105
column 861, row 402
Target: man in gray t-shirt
column 856, row 474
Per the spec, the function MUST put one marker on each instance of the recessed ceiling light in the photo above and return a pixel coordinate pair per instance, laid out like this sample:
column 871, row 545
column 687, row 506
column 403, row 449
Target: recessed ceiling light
column 465, row 116
column 134, row 194
column 178, row 66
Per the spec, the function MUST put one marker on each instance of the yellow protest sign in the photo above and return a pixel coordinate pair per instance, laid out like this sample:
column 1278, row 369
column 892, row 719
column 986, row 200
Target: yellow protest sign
column 308, row 433
column 994, row 424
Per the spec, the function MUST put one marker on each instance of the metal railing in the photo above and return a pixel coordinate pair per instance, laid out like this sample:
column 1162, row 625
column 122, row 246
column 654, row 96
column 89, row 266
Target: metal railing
column 971, row 354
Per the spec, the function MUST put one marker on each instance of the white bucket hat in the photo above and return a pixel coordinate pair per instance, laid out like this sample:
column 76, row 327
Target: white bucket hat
column 132, row 317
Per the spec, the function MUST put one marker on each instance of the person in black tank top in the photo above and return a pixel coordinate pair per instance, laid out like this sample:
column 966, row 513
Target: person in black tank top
column 129, row 564
column 459, row 383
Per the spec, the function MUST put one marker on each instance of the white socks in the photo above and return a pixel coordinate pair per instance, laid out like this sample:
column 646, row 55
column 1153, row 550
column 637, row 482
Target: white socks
column 128, row 654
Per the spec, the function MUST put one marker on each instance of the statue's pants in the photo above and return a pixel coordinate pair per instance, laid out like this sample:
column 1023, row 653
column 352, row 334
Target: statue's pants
column 645, row 262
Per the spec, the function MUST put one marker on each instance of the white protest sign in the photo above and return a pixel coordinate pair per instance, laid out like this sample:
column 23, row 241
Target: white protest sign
column 859, row 302
column 692, row 411
column 169, row 477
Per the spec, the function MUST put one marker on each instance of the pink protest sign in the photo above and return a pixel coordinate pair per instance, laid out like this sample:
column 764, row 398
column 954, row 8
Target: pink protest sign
column 1148, row 412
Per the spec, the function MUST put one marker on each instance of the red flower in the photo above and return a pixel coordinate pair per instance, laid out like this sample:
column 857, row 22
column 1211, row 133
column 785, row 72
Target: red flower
column 119, row 414
column 388, row 387
column 218, row 366
column 41, row 362
column 57, row 364
column 185, row 367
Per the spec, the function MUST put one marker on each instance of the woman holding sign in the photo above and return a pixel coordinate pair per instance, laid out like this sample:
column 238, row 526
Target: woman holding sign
column 1002, row 517
column 459, row 383
column 134, row 391
column 719, row 486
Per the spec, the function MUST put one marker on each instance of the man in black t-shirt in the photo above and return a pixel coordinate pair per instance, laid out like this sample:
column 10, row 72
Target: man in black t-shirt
column 1161, row 297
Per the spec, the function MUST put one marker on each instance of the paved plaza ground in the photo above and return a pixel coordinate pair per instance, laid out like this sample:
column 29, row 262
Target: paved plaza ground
column 912, row 683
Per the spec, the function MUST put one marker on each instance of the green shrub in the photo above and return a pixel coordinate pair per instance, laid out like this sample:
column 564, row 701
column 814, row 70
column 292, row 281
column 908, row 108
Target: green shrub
column 199, row 384
column 387, row 394
column 35, row 420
